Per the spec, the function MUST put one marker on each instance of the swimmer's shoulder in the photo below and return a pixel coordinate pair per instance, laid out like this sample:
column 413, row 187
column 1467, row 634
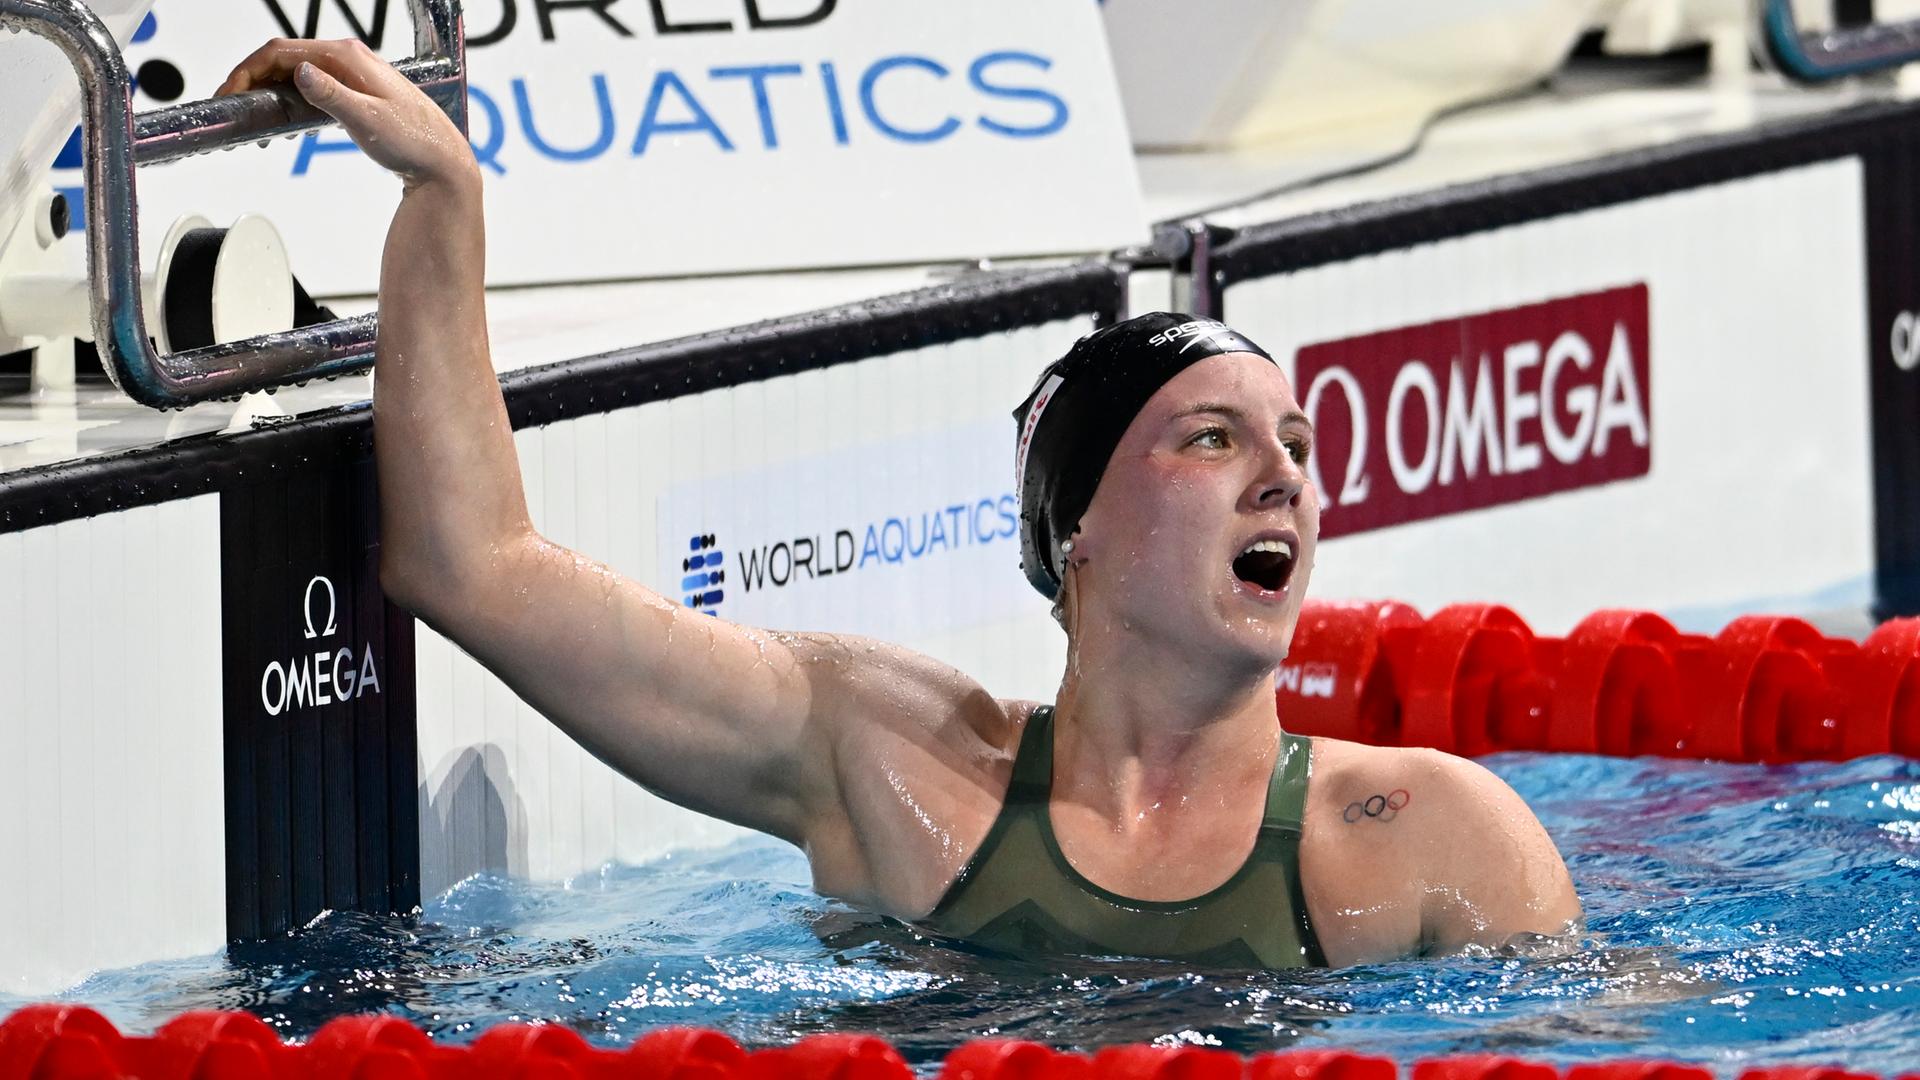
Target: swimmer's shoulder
column 904, row 719
column 1362, row 873
column 1402, row 847
column 1348, row 773
column 1411, row 791
column 880, row 684
column 922, row 756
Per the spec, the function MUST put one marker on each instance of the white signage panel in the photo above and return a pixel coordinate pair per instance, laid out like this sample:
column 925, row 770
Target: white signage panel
column 893, row 540
column 1715, row 337
column 622, row 138
column 1372, row 71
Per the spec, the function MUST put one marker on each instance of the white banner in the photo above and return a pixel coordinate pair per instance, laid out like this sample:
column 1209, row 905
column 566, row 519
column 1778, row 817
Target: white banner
column 1373, row 71
column 624, row 139
column 892, row 540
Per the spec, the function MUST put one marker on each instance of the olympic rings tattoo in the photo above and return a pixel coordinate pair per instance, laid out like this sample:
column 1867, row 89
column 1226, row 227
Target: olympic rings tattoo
column 1381, row 808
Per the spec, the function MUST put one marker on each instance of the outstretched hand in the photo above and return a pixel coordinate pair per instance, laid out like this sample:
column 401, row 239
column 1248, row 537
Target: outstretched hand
column 391, row 119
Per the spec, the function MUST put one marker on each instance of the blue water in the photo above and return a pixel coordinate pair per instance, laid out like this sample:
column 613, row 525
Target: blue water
column 1737, row 915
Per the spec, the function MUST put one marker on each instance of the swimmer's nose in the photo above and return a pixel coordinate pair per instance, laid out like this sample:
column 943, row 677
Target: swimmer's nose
column 1281, row 479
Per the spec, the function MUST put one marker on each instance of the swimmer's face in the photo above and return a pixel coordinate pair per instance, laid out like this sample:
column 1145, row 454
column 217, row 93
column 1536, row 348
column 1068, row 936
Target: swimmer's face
column 1214, row 464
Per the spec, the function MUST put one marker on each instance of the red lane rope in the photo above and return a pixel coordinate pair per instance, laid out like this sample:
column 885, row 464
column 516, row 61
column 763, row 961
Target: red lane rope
column 1474, row 679
column 72, row 1042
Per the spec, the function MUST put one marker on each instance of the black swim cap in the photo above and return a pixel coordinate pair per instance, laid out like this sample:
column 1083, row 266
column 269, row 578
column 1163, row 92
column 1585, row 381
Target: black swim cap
column 1069, row 425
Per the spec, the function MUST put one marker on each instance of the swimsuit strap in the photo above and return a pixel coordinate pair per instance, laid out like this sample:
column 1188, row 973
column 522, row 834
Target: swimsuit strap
column 1287, row 788
column 1032, row 781
column 1280, row 833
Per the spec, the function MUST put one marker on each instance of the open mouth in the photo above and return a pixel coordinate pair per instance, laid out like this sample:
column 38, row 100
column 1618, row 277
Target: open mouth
column 1265, row 564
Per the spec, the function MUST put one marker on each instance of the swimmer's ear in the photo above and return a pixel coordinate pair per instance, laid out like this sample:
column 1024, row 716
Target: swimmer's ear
column 1069, row 546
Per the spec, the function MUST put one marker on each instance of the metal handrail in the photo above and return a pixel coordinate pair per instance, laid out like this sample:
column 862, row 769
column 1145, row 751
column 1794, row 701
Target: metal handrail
column 1819, row 56
column 116, row 140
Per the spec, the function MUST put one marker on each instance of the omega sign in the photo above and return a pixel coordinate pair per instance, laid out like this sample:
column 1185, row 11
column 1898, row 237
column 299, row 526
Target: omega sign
column 1479, row 410
column 327, row 672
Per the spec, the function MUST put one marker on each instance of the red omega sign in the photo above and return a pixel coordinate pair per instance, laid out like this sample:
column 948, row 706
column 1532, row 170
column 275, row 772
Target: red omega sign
column 1479, row 410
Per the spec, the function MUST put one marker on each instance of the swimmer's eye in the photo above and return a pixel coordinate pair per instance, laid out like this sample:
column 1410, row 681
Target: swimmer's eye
column 1301, row 450
column 1212, row 438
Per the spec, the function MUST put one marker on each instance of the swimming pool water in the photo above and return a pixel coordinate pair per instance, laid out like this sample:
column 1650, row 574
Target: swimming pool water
column 1737, row 915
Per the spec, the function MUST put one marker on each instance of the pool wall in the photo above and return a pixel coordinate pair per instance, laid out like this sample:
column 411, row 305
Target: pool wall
column 249, row 733
column 111, row 742
column 1748, row 395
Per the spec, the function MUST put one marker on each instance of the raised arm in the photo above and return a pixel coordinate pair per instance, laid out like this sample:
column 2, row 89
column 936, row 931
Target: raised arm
column 760, row 729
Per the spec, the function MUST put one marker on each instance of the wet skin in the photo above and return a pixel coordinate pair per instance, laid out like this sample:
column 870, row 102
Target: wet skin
column 886, row 767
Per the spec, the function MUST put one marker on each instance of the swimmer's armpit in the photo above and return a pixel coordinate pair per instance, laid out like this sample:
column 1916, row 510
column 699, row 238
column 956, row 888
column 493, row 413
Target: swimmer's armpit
column 1379, row 808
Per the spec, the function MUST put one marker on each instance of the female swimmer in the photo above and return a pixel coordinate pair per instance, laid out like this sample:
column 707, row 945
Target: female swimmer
column 1155, row 808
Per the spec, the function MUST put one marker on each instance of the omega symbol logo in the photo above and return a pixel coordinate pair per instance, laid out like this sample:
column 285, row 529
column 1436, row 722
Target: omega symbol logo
column 324, row 675
column 1905, row 341
column 333, row 609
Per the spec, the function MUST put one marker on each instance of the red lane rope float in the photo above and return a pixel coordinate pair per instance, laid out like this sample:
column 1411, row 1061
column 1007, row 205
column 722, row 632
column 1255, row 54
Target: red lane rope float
column 1474, row 679
column 1638, row 1070
column 1340, row 679
column 1482, row 1068
column 73, row 1042
column 1617, row 690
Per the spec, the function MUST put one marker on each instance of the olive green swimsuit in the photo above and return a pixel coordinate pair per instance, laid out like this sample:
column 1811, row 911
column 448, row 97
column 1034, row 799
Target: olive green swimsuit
column 1018, row 893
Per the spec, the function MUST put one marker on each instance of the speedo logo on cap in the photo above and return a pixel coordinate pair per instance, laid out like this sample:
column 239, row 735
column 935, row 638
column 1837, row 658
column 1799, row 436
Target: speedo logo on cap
column 1197, row 331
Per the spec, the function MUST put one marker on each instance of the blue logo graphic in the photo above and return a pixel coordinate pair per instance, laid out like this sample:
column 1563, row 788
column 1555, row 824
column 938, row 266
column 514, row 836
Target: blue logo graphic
column 897, row 540
column 703, row 574
column 906, row 99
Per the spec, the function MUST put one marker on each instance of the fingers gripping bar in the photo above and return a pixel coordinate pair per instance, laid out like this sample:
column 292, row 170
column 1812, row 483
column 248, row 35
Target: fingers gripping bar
column 117, row 140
